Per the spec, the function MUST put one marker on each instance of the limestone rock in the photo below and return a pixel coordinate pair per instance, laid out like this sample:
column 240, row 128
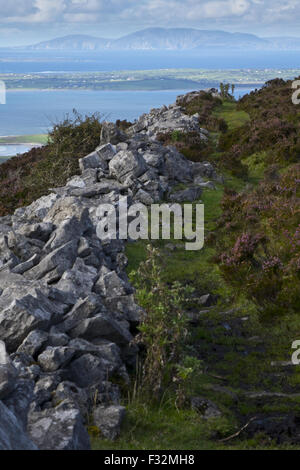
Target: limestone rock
column 101, row 326
column 106, row 152
column 190, row 194
column 21, row 268
column 79, row 280
column 87, row 370
column 12, row 436
column 19, row 401
column 83, row 309
column 57, row 262
column 90, row 161
column 109, row 283
column 110, row 133
column 109, row 420
column 44, row 389
column 33, row 343
column 177, row 168
column 60, row 429
column 125, row 164
column 55, row 357
column 18, row 317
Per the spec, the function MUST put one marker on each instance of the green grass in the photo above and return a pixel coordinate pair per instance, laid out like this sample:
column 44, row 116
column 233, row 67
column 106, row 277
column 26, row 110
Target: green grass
column 212, row 199
column 136, row 254
column 25, row 139
column 195, row 266
column 155, row 428
column 164, row 428
column 232, row 117
column 256, row 166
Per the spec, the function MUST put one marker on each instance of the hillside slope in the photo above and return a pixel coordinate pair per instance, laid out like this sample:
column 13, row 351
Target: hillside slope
column 225, row 317
column 241, row 332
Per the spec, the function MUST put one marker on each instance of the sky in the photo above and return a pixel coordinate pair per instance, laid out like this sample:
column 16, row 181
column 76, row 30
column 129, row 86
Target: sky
column 25, row 22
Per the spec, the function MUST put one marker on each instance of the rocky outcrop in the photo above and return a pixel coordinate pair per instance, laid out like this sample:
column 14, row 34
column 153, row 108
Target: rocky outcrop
column 167, row 119
column 67, row 310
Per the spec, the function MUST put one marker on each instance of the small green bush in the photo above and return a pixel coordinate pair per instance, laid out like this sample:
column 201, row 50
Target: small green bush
column 163, row 330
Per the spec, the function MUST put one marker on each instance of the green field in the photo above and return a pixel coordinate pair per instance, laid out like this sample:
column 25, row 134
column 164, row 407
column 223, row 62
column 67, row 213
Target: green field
column 25, row 139
column 35, row 139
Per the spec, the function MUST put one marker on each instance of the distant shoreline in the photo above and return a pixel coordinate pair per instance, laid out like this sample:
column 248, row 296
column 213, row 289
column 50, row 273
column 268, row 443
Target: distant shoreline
column 35, row 140
column 26, row 144
column 158, row 80
column 24, row 90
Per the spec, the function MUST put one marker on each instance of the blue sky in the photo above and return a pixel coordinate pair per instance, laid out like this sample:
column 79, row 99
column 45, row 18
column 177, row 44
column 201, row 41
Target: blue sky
column 27, row 21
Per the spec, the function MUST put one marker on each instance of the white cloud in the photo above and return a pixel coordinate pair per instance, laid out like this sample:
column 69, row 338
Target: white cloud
column 151, row 12
column 36, row 11
column 219, row 9
column 18, row 8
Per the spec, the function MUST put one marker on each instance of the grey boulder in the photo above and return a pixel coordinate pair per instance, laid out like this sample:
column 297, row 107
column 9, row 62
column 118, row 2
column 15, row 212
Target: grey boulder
column 90, row 161
column 12, row 435
column 110, row 133
column 177, row 168
column 102, row 326
column 127, row 164
column 108, row 420
column 34, row 342
column 56, row 262
column 186, row 195
column 60, row 428
column 19, row 401
column 55, row 357
column 106, row 152
column 87, row 370
column 18, row 317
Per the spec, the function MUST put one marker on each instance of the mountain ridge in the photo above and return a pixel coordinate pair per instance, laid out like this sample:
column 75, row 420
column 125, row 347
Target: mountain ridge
column 167, row 39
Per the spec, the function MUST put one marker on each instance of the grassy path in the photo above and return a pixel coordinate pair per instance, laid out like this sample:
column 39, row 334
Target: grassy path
column 236, row 348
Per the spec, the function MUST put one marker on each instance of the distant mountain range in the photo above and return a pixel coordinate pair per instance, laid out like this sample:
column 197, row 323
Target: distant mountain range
column 168, row 39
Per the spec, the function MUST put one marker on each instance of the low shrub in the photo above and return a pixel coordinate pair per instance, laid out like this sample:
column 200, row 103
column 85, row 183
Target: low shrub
column 163, row 330
column 259, row 252
column 29, row 176
column 189, row 144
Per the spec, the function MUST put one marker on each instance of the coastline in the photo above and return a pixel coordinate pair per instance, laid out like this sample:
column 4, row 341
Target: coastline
column 10, row 149
column 126, row 88
column 26, row 144
column 29, row 141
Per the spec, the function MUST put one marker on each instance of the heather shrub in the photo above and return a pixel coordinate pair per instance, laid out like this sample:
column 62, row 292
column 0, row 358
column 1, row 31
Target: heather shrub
column 232, row 161
column 25, row 178
column 188, row 143
column 123, row 124
column 204, row 104
column 274, row 127
column 259, row 252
